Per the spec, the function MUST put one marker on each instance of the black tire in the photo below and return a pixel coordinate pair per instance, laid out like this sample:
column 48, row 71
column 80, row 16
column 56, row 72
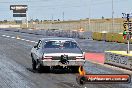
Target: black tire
column 40, row 68
column 43, row 69
column 74, row 69
column 46, row 69
column 33, row 64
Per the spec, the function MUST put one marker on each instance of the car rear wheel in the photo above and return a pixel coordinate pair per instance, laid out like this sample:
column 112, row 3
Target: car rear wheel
column 75, row 69
column 45, row 69
column 33, row 64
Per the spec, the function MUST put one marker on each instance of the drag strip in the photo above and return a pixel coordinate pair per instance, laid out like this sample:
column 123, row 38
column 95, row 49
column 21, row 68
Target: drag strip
column 16, row 69
column 19, row 53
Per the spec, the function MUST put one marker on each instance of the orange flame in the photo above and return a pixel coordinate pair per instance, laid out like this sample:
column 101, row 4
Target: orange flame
column 81, row 71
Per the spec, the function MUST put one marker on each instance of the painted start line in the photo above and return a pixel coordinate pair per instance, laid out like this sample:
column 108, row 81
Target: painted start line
column 96, row 57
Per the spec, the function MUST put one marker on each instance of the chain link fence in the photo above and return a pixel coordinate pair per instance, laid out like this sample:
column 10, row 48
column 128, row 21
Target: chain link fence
column 106, row 27
column 92, row 27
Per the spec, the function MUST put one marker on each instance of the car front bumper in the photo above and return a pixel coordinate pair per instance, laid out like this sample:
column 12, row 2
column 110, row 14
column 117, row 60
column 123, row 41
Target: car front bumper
column 57, row 62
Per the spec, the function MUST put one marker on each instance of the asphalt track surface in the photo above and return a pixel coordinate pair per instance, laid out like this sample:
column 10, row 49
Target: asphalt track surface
column 16, row 71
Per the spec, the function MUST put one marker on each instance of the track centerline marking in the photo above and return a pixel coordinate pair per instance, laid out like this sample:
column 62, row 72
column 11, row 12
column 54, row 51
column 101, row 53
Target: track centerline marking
column 18, row 38
column 23, row 39
column 7, row 36
column 12, row 37
column 3, row 35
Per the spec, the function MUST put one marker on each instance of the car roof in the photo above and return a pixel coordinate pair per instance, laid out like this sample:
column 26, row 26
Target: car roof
column 46, row 39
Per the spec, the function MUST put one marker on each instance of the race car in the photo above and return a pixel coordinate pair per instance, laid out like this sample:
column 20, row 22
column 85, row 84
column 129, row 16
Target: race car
column 57, row 52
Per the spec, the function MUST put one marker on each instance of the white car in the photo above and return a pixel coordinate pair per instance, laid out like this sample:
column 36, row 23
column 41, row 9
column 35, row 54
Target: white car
column 57, row 52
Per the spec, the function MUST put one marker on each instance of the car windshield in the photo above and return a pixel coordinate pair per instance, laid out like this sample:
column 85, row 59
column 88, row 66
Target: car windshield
column 60, row 44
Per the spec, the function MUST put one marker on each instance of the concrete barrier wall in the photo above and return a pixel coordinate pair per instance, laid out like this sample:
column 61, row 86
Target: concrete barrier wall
column 9, row 26
column 120, row 60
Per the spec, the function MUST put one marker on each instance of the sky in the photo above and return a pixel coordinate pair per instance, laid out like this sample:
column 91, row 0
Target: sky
column 72, row 9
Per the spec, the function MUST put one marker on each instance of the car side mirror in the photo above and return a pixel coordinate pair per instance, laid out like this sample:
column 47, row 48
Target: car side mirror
column 35, row 46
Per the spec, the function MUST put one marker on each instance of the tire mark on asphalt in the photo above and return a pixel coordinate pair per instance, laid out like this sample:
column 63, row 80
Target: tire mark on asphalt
column 10, row 77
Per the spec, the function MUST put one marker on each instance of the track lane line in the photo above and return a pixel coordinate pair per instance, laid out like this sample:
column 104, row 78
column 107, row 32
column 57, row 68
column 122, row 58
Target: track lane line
column 7, row 36
column 23, row 39
column 13, row 37
column 3, row 35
